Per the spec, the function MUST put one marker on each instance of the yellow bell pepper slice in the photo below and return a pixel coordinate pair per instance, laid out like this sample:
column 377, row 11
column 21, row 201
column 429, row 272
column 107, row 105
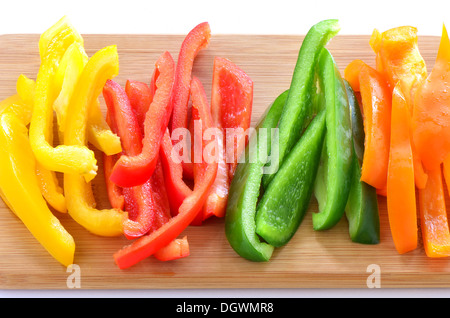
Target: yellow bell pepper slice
column 77, row 159
column 48, row 182
column 103, row 65
column 19, row 187
column 69, row 70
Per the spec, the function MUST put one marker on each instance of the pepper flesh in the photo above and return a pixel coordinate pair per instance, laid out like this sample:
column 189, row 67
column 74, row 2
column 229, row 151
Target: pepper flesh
column 204, row 176
column 286, row 200
column 296, row 114
column 195, row 41
column 401, row 192
column 19, row 186
column 135, row 170
column 376, row 100
column 103, row 65
column 63, row 158
column 332, row 184
column 433, row 216
column 399, row 60
column 431, row 128
column 362, row 206
column 240, row 225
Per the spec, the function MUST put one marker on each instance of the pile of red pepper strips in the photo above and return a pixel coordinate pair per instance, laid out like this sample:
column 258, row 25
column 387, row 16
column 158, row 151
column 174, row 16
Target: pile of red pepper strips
column 403, row 150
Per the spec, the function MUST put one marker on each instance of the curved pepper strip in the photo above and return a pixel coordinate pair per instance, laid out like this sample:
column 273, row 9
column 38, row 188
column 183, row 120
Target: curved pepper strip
column 195, row 41
column 62, row 158
column 140, row 96
column 19, row 185
column 400, row 61
column 103, row 65
column 67, row 74
column 334, row 175
column 286, row 199
column 433, row 216
column 362, row 206
column 204, row 175
column 135, row 170
column 376, row 100
column 401, row 191
column 147, row 210
column 431, row 128
column 231, row 109
column 240, row 225
column 48, row 182
column 296, row 113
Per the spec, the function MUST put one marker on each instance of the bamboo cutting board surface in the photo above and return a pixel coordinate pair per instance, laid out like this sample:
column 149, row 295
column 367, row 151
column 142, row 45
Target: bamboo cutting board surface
column 310, row 260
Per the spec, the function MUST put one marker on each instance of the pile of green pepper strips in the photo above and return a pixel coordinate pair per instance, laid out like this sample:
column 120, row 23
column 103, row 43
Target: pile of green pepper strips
column 320, row 149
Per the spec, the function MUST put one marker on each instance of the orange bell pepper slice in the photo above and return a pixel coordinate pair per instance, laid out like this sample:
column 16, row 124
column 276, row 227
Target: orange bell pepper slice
column 401, row 195
column 433, row 215
column 398, row 58
column 376, row 100
column 431, row 122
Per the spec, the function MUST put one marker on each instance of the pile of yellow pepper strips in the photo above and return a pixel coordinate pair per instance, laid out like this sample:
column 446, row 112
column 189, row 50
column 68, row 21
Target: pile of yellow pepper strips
column 68, row 84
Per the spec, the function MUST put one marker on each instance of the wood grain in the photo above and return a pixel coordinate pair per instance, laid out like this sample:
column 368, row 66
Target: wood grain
column 310, row 260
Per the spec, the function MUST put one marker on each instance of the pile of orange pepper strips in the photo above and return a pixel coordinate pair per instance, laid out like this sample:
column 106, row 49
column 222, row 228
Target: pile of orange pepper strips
column 407, row 127
column 405, row 147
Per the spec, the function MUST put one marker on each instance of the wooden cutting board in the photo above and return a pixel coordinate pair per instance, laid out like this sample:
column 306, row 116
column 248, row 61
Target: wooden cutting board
column 311, row 259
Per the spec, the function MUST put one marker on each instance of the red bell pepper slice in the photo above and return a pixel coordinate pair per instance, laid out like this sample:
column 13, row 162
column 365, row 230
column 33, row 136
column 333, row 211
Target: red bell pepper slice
column 177, row 189
column 231, row 108
column 144, row 209
column 135, row 169
column 140, row 96
column 176, row 249
column 204, row 176
column 196, row 40
column 115, row 193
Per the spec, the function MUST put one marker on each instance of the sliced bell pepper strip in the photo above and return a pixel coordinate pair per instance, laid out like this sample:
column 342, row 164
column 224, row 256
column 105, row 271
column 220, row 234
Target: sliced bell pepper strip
column 401, row 192
column 140, row 96
column 430, row 120
column 245, row 188
column 195, row 41
column 286, row 200
column 295, row 115
column 204, row 176
column 332, row 184
column 115, row 193
column 48, row 182
column 231, row 109
column 433, row 216
column 146, row 208
column 176, row 249
column 231, row 106
column 103, row 65
column 62, row 158
column 19, row 185
column 376, row 99
column 362, row 206
column 177, row 189
column 132, row 170
column 400, row 61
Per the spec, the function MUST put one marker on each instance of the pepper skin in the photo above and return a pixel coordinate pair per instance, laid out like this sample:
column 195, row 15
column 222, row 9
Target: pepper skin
column 296, row 113
column 334, row 175
column 240, row 225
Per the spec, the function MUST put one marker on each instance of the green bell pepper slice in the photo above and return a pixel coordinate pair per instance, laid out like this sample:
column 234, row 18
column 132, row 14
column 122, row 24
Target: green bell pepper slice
column 286, row 200
column 362, row 205
column 245, row 191
column 297, row 112
column 334, row 177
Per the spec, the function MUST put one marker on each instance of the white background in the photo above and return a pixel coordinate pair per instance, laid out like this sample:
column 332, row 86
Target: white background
column 226, row 17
